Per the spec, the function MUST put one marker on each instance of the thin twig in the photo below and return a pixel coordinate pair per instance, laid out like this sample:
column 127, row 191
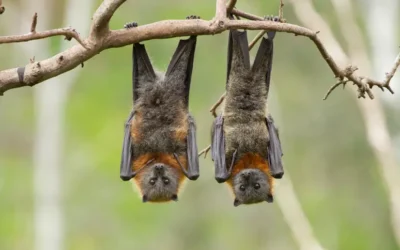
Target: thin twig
column 256, row 38
column 34, row 23
column 67, row 32
column 205, row 151
column 216, row 105
column 281, row 10
column 340, row 82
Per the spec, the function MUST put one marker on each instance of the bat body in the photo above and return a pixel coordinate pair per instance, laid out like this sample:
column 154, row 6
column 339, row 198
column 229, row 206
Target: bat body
column 159, row 148
column 245, row 144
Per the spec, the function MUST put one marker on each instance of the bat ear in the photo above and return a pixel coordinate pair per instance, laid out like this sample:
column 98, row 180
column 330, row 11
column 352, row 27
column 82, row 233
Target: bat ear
column 263, row 61
column 144, row 198
column 238, row 52
column 236, row 202
column 174, row 197
column 142, row 69
column 270, row 198
column 180, row 68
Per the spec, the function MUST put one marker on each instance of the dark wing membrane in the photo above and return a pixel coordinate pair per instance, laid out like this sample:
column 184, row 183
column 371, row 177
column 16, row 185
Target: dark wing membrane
column 238, row 52
column 142, row 71
column 263, row 63
column 193, row 171
column 127, row 151
column 218, row 150
column 274, row 150
column 181, row 65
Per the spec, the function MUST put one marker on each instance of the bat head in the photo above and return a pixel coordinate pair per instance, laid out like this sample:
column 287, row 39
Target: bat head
column 251, row 186
column 159, row 183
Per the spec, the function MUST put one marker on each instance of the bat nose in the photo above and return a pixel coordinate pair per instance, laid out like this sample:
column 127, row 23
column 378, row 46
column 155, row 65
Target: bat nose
column 246, row 175
column 159, row 168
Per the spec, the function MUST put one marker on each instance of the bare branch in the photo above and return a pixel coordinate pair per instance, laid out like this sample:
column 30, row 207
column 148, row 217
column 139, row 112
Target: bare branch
column 34, row 23
column 102, row 17
column 205, row 151
column 102, row 38
column 67, row 32
column 220, row 12
column 364, row 84
column 231, row 4
column 281, row 10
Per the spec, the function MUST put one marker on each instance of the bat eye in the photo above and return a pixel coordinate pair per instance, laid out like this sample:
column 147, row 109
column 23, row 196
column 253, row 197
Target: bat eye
column 152, row 181
column 242, row 188
column 166, row 181
column 256, row 186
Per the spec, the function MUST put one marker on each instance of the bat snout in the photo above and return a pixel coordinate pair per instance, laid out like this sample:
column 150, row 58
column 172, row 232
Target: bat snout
column 159, row 169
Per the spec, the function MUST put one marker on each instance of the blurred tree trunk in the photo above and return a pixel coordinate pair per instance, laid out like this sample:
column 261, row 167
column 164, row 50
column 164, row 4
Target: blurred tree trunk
column 49, row 101
column 382, row 21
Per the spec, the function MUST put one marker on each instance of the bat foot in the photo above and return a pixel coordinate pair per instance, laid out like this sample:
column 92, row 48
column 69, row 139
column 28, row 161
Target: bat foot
column 130, row 25
column 271, row 34
column 272, row 18
column 193, row 17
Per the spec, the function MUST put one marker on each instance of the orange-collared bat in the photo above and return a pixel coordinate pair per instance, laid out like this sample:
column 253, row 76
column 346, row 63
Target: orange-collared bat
column 245, row 147
column 159, row 147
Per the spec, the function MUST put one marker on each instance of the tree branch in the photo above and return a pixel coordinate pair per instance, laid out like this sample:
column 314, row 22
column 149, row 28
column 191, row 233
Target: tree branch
column 102, row 38
column 67, row 32
column 220, row 12
column 34, row 23
column 102, row 16
column 231, row 4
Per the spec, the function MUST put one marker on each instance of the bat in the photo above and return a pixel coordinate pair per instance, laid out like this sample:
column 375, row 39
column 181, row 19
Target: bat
column 159, row 148
column 245, row 144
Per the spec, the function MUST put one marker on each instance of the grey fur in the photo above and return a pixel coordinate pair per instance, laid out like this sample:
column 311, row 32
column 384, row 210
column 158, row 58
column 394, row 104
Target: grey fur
column 245, row 106
column 161, row 109
column 247, row 180
column 159, row 184
column 244, row 120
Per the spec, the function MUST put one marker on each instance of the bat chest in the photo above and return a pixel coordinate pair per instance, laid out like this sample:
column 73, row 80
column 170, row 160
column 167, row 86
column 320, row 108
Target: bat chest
column 245, row 137
column 159, row 133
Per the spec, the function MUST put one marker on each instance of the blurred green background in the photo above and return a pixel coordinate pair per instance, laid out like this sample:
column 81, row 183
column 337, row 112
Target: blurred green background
column 333, row 170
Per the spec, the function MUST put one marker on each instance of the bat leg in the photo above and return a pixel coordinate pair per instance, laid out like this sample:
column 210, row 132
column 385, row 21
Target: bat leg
column 274, row 150
column 130, row 25
column 127, row 151
column 271, row 34
column 193, row 171
column 218, row 150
